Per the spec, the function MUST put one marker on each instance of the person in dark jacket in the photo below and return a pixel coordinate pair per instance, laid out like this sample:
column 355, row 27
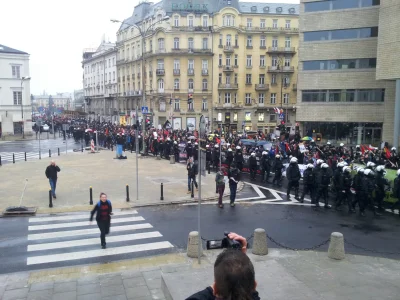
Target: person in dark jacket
column 308, row 183
column 51, row 174
column 233, row 175
column 208, row 157
column 265, row 166
column 360, row 192
column 369, row 186
column 278, row 170
column 192, row 172
column 323, row 180
column 189, row 149
column 229, row 157
column 176, row 151
column 216, row 156
column 239, row 158
column 293, row 176
column 345, row 183
column 396, row 192
column 381, row 183
column 234, row 276
column 253, row 166
column 103, row 211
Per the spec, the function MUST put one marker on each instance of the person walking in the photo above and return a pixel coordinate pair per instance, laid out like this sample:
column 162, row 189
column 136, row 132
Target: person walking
column 192, row 172
column 233, row 175
column 220, row 181
column 51, row 174
column 103, row 211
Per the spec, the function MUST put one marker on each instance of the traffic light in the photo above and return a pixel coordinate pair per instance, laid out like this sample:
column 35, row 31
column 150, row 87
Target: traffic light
column 190, row 99
column 282, row 127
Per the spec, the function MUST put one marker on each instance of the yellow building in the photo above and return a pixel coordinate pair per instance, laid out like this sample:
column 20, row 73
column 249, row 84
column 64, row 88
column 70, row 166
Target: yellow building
column 231, row 57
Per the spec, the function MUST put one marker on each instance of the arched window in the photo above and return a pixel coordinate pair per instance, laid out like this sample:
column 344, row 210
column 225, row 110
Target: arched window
column 176, row 20
column 191, row 84
column 161, row 85
column 176, row 84
column 228, row 20
column 205, row 84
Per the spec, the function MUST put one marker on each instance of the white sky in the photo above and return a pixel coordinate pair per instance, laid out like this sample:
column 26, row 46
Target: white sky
column 54, row 33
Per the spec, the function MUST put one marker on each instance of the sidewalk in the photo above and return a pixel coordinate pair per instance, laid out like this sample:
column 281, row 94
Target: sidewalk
column 282, row 274
column 80, row 171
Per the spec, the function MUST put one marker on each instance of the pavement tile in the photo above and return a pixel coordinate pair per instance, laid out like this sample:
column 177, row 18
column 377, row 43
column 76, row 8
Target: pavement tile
column 108, row 281
column 139, row 291
column 118, row 297
column 2, row 290
column 157, row 294
column 153, row 283
column 88, row 280
column 15, row 294
column 112, row 290
column 65, row 296
column 88, row 289
column 40, row 286
column 40, row 295
column 89, row 296
column 133, row 282
column 17, row 285
column 65, row 287
column 131, row 274
column 152, row 274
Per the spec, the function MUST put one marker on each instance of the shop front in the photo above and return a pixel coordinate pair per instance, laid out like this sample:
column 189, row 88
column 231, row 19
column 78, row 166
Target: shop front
column 266, row 127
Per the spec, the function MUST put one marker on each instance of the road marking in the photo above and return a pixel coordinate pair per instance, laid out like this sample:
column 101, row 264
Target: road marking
column 59, row 234
column 76, row 217
column 81, row 224
column 257, row 190
column 94, row 241
column 97, row 253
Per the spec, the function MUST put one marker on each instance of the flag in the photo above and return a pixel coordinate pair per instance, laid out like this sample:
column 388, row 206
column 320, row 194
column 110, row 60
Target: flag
column 362, row 149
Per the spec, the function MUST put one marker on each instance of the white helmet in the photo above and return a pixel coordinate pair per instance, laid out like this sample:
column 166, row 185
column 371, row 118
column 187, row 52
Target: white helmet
column 168, row 139
column 229, row 150
column 345, row 163
column 360, row 170
column 277, row 156
column 393, row 148
column 341, row 144
column 328, row 143
column 264, row 153
column 195, row 143
column 207, row 146
column 340, row 165
column 368, row 172
column 189, row 142
column 310, row 166
column 228, row 144
column 324, row 166
column 357, row 146
column 293, row 160
column 238, row 148
column 216, row 146
column 253, row 154
column 346, row 170
column 371, row 164
column 380, row 168
column 398, row 172
column 320, row 161
column 175, row 142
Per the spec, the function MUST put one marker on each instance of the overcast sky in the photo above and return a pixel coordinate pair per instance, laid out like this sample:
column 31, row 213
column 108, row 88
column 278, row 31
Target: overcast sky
column 55, row 32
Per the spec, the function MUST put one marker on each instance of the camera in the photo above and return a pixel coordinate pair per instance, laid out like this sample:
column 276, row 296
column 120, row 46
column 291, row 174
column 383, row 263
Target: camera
column 226, row 242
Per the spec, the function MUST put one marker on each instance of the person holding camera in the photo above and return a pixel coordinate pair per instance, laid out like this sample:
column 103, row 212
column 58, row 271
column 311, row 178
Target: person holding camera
column 234, row 276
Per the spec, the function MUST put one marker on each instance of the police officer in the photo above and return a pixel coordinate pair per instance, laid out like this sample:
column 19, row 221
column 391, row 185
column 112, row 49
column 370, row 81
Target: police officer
column 176, row 151
column 167, row 148
column 369, row 186
column 239, row 158
column 229, row 157
column 371, row 165
column 277, row 170
column 189, row 149
column 381, row 182
column 308, row 183
column 253, row 166
column 265, row 166
column 358, row 185
column 234, row 176
column 216, row 156
column 396, row 192
column 323, row 180
column 208, row 156
column 345, row 183
column 196, row 151
column 293, row 176
column 336, row 181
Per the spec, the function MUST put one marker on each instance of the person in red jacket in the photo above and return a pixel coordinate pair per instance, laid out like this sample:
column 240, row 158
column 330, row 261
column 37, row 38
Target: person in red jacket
column 103, row 211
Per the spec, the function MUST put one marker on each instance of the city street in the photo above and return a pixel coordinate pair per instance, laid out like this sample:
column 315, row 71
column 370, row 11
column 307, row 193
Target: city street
column 51, row 241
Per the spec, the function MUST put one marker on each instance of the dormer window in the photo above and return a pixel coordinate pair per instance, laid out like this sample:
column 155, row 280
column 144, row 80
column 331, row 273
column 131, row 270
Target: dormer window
column 266, row 9
column 292, row 10
column 254, row 8
column 279, row 9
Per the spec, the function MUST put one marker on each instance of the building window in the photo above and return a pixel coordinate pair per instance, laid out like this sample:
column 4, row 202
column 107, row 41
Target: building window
column 286, row 81
column 228, row 39
column 228, row 60
column 235, row 95
column 176, row 21
column 341, row 34
column 340, row 64
column 262, row 23
column 205, row 21
column 261, row 98
column 176, row 43
column 275, row 23
column 340, row 4
column 161, row 85
column 249, row 61
column 219, row 97
column 177, row 104
column 274, row 42
column 177, row 64
column 160, row 64
column 220, row 78
column 190, row 21
column 287, row 24
column 288, row 42
column 262, row 60
column 16, row 71
column 190, row 43
column 274, row 61
column 191, row 64
column 285, row 98
column 236, row 60
column 249, row 22
column 236, row 40
column 236, row 78
column 235, row 117
column 273, row 98
column 361, row 95
column 227, row 98
column 247, row 116
column 161, row 44
column 248, row 78
column 249, row 41
column 17, row 98
column 204, row 104
column 176, row 84
column 191, row 84
column 262, row 41
column 228, row 79
column 272, row 117
column 205, row 43
column 205, row 84
column 228, row 20
column 261, row 79
column 220, row 40
column 220, row 60
column 273, row 79
column 261, row 117
column 287, row 61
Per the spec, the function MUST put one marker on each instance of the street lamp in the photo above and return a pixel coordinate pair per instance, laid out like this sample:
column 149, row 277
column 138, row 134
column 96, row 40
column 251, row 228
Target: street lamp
column 22, row 107
column 143, row 34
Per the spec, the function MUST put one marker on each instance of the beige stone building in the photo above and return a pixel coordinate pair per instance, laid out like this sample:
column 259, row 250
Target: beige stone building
column 237, row 60
column 347, row 70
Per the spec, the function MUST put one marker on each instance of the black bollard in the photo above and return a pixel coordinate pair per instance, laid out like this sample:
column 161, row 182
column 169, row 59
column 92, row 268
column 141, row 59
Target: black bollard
column 162, row 191
column 91, row 196
column 209, row 168
column 58, row 151
column 13, row 158
column 50, row 199
column 49, row 153
column 127, row 193
column 25, row 156
column 0, row 160
column 192, row 195
column 82, row 148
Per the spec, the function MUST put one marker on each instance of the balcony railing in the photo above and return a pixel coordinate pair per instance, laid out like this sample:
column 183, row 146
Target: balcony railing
column 160, row 51
column 138, row 75
column 262, row 87
column 190, row 72
column 204, row 72
column 177, row 72
column 190, row 91
column 287, row 50
column 190, row 50
column 228, row 49
column 227, row 68
column 160, row 72
column 228, row 86
column 270, row 29
column 275, row 69
column 191, row 28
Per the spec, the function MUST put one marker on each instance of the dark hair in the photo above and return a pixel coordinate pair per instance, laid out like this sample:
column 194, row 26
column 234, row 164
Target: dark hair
column 101, row 194
column 234, row 275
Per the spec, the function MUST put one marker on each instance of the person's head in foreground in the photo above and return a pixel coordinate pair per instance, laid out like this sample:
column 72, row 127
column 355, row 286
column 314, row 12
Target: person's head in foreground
column 234, row 276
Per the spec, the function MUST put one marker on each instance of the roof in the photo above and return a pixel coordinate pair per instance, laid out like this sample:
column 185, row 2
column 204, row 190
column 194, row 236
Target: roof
column 5, row 49
column 269, row 8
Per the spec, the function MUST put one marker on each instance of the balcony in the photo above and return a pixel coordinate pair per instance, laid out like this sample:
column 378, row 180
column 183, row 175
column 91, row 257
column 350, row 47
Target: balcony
column 128, row 78
column 270, row 29
column 123, row 78
column 275, row 69
column 177, row 109
column 284, row 50
column 190, row 72
column 138, row 93
column 228, row 49
column 177, row 72
column 176, row 89
column 191, row 28
column 204, row 72
column 227, row 86
column 227, row 68
column 159, row 51
column 160, row 72
column 294, row 87
column 260, row 104
column 262, row 87
column 221, row 106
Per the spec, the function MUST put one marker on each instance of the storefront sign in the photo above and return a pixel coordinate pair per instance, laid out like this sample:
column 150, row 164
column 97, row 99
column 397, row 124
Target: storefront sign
column 266, row 124
column 182, row 6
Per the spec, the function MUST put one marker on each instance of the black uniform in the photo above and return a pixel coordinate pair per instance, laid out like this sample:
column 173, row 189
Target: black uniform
column 337, row 174
column 176, row 152
column 396, row 193
column 381, row 181
column 239, row 159
column 278, row 171
column 369, row 187
column 293, row 176
column 229, row 158
column 308, row 184
column 189, row 150
column 208, row 157
column 253, row 166
column 359, row 186
column 216, row 157
column 265, row 167
column 323, row 181
column 345, row 183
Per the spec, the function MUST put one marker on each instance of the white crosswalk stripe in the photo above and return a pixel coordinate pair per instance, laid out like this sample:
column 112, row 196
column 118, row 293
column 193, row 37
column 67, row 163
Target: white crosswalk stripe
column 56, row 239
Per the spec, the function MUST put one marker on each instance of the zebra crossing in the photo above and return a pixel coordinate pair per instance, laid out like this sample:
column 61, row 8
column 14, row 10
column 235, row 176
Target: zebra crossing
column 71, row 239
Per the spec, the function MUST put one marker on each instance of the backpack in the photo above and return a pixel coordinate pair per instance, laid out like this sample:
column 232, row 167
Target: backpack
column 99, row 203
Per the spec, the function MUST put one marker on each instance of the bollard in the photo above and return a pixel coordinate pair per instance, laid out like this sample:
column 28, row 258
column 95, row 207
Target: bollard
column 209, row 168
column 192, row 195
column 25, row 156
column 162, row 191
column 336, row 246
column 127, row 193
column 91, row 196
column 50, row 199
column 81, row 148
column 58, row 151
column 260, row 246
column 49, row 153
column 0, row 160
column 13, row 158
column 172, row 160
column 193, row 245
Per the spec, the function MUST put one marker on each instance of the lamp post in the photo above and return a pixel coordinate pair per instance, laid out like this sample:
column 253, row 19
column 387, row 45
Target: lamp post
column 143, row 34
column 22, row 106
